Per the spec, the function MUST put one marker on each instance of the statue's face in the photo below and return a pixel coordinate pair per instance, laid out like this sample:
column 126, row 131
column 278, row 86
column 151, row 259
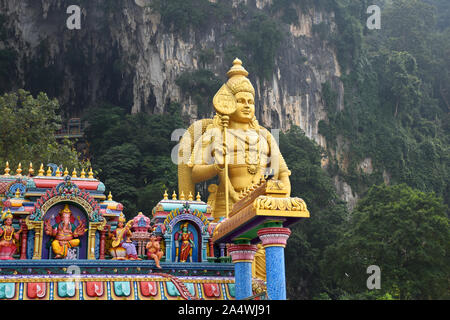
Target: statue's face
column 8, row 221
column 245, row 107
column 66, row 217
column 120, row 224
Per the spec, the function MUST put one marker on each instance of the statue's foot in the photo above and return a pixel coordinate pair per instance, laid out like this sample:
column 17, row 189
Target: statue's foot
column 58, row 256
column 158, row 266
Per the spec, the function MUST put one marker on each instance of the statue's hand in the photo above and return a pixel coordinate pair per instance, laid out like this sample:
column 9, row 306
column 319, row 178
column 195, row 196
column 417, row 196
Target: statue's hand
column 80, row 230
column 48, row 227
column 219, row 152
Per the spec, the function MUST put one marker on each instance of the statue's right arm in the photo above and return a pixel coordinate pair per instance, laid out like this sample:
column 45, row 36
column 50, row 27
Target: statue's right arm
column 203, row 167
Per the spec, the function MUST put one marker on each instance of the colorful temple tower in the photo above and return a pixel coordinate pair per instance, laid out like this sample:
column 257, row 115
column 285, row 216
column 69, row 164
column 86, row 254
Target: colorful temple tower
column 61, row 237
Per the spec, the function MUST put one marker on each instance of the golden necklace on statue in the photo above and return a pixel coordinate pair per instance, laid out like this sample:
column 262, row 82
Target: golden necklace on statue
column 252, row 155
column 8, row 233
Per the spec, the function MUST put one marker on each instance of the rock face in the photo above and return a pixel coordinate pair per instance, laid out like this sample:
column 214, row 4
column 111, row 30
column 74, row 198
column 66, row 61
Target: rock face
column 125, row 55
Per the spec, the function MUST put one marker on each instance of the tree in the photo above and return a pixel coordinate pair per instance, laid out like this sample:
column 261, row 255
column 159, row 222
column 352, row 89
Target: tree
column 133, row 154
column 311, row 236
column 27, row 130
column 403, row 83
column 403, row 231
column 409, row 27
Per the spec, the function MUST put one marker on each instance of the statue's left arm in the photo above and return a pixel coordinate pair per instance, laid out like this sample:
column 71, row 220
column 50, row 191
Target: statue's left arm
column 278, row 164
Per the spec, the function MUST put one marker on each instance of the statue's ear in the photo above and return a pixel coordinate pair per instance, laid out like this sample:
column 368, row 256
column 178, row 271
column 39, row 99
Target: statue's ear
column 224, row 101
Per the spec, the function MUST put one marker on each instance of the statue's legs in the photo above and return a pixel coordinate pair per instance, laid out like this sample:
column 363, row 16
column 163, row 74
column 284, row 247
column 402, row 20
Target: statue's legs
column 60, row 248
column 131, row 250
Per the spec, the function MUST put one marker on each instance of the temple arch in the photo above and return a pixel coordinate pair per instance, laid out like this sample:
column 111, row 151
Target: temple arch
column 84, row 204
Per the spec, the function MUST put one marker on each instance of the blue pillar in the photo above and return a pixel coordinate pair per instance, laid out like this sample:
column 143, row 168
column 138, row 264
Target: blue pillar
column 275, row 273
column 243, row 279
column 242, row 256
column 274, row 240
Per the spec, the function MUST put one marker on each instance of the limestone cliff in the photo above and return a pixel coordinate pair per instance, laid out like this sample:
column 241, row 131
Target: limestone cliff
column 123, row 54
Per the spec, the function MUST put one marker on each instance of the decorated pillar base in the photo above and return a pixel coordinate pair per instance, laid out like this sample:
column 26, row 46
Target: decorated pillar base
column 274, row 241
column 242, row 256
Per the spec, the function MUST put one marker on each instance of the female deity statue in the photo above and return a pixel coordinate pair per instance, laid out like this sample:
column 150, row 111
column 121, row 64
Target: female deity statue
column 184, row 242
column 8, row 236
column 122, row 241
column 234, row 137
column 65, row 232
column 154, row 251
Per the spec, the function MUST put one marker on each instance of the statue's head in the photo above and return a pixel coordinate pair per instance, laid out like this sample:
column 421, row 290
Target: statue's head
column 184, row 226
column 7, row 217
column 236, row 98
column 66, row 214
column 121, row 221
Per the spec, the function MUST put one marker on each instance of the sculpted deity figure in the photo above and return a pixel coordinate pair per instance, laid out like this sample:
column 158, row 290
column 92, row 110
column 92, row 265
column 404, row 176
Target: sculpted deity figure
column 65, row 232
column 122, row 239
column 184, row 242
column 154, row 250
column 7, row 237
column 234, row 137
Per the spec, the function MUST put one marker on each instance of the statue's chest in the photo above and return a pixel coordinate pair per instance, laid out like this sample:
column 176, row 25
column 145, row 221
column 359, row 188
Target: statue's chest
column 247, row 149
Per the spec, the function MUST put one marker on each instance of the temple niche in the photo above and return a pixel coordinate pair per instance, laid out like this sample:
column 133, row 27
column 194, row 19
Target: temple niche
column 185, row 225
column 55, row 244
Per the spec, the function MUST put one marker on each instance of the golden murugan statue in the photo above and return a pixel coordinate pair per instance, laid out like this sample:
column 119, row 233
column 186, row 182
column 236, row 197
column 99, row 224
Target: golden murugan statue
column 250, row 150
column 232, row 146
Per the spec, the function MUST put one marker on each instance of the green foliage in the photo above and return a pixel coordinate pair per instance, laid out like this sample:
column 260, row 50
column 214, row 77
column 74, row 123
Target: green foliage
column 201, row 85
column 395, row 104
column 349, row 36
column 403, row 85
column 206, row 56
column 409, row 25
column 256, row 44
column 133, row 154
column 403, row 231
column 27, row 128
column 310, row 236
column 198, row 14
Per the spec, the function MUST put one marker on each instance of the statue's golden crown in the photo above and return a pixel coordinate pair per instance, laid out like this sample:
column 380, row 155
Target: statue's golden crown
column 238, row 81
column 65, row 209
column 7, row 215
column 122, row 217
column 224, row 101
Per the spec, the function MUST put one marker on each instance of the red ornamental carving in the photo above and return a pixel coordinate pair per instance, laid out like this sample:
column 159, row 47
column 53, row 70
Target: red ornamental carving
column 242, row 252
column 181, row 287
column 94, row 288
column 149, row 288
column 274, row 236
column 36, row 290
column 212, row 290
